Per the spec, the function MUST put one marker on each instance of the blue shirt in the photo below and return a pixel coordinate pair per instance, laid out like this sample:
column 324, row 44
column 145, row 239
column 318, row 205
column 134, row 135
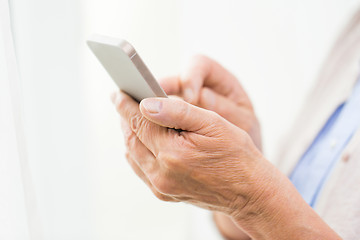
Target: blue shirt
column 318, row 161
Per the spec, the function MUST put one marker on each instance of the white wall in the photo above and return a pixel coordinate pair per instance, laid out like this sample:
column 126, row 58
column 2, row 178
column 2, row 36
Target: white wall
column 85, row 188
column 274, row 47
column 47, row 35
column 14, row 220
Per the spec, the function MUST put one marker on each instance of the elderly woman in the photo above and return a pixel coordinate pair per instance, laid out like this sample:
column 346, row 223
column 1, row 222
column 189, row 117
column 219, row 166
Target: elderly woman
column 206, row 151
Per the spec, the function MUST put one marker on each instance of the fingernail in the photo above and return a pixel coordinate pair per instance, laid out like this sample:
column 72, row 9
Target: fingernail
column 188, row 94
column 152, row 105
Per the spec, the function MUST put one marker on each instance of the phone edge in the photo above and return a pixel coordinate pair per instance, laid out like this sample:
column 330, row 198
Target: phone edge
column 142, row 68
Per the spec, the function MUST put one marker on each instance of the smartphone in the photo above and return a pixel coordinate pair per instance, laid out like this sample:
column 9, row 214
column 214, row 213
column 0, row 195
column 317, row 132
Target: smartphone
column 125, row 67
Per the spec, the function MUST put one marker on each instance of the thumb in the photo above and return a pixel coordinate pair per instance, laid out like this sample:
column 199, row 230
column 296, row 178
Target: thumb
column 178, row 114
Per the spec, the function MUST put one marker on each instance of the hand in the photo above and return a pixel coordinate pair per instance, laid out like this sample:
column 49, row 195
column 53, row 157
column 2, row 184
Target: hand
column 211, row 163
column 207, row 84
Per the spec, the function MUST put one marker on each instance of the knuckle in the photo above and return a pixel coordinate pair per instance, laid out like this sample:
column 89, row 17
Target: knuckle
column 126, row 130
column 162, row 184
column 134, row 121
column 138, row 123
column 216, row 125
column 128, row 135
column 183, row 110
column 170, row 161
column 130, row 140
column 212, row 118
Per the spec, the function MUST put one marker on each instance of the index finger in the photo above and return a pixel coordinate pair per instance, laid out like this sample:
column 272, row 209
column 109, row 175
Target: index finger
column 171, row 85
column 205, row 72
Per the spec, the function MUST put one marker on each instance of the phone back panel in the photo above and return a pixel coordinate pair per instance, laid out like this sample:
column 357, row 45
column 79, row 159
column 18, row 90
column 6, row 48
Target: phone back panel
column 125, row 67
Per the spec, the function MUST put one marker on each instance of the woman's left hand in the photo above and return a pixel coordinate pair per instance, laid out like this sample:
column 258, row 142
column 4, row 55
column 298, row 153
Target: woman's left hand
column 210, row 163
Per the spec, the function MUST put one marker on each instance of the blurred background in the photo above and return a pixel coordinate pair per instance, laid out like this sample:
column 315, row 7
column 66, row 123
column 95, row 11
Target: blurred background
column 83, row 185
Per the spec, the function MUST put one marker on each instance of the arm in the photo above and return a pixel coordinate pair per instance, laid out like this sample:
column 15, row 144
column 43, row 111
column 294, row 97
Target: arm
column 281, row 213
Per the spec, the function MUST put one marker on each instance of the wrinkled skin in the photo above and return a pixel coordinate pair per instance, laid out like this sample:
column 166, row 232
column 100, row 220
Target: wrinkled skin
column 209, row 155
column 190, row 165
column 206, row 84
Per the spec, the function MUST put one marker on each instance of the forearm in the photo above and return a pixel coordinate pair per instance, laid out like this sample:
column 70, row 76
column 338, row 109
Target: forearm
column 281, row 213
column 228, row 229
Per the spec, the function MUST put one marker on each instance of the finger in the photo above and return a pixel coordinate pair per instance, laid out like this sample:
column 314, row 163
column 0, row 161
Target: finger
column 171, row 85
column 142, row 161
column 224, row 107
column 153, row 136
column 138, row 171
column 143, row 177
column 204, row 71
column 178, row 114
column 144, row 158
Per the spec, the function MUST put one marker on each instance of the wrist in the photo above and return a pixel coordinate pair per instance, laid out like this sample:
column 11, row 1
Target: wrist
column 264, row 189
column 277, row 211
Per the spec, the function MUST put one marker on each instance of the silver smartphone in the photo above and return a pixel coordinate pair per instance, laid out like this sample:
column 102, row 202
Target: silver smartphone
column 125, row 67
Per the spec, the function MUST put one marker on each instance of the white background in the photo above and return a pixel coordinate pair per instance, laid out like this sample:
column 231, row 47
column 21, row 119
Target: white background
column 84, row 187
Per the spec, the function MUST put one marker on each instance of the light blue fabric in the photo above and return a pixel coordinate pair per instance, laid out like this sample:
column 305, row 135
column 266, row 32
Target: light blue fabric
column 318, row 161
